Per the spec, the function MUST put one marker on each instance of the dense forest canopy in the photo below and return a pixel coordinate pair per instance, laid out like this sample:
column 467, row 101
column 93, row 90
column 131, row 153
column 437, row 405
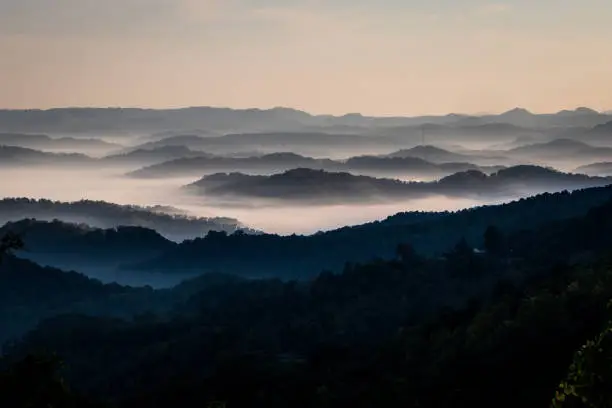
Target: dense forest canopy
column 514, row 316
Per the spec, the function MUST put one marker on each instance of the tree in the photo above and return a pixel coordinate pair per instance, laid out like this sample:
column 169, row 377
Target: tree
column 462, row 248
column 34, row 382
column 407, row 254
column 494, row 241
column 589, row 381
column 10, row 242
column 461, row 260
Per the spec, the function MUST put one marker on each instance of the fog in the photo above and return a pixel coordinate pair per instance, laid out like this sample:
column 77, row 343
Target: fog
column 112, row 186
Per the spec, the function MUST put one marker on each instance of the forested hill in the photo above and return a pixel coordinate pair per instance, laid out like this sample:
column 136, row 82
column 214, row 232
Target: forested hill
column 308, row 186
column 467, row 329
column 29, row 293
column 83, row 248
column 430, row 233
column 102, row 214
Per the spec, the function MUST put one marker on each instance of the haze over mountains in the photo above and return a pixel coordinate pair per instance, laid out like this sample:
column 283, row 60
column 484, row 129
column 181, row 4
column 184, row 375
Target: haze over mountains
column 273, row 257
column 99, row 214
column 145, row 157
column 388, row 204
column 406, row 165
column 57, row 144
column 15, row 156
column 603, row 168
column 119, row 120
column 318, row 186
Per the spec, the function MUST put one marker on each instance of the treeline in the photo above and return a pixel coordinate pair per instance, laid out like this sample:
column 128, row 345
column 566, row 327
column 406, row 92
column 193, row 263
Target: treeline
column 494, row 327
column 431, row 234
column 102, row 214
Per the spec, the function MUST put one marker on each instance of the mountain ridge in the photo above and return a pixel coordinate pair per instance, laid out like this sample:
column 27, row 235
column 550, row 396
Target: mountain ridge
column 126, row 119
column 103, row 214
column 319, row 186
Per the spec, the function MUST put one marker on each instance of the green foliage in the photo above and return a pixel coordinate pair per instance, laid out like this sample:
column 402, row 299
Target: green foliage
column 589, row 381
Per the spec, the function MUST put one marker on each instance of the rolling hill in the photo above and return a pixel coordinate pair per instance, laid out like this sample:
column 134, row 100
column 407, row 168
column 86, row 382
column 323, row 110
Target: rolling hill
column 102, row 214
column 318, row 186
column 268, row 163
column 279, row 162
column 596, row 169
column 153, row 155
column 429, row 233
column 44, row 142
column 562, row 149
column 20, row 156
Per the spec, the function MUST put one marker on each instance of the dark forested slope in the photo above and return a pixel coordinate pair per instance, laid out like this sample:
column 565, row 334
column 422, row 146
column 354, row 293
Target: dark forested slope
column 457, row 330
column 302, row 256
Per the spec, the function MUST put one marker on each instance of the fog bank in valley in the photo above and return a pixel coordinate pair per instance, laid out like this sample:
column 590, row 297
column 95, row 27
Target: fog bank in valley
column 112, row 186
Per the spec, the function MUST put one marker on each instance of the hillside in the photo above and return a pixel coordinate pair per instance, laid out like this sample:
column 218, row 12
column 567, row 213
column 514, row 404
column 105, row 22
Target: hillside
column 44, row 142
column 438, row 155
column 318, row 186
column 101, row 214
column 153, row 155
column 19, row 156
column 396, row 331
column 193, row 142
column 30, row 293
column 600, row 134
column 268, row 163
column 305, row 256
column 411, row 166
column 302, row 184
column 271, row 140
column 604, row 128
column 74, row 120
column 281, row 162
column 596, row 169
column 81, row 247
column 562, row 149
column 430, row 153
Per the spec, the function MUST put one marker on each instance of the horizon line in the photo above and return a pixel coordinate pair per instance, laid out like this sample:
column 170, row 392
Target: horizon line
column 295, row 109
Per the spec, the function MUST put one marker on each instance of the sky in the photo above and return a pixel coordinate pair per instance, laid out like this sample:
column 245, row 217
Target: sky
column 376, row 57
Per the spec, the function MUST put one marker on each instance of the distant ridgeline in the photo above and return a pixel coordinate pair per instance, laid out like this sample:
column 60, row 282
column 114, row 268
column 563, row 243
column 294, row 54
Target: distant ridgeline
column 144, row 250
column 133, row 119
column 295, row 256
column 172, row 224
column 310, row 186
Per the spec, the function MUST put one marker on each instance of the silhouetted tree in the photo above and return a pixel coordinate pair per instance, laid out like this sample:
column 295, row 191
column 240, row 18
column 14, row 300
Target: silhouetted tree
column 10, row 242
column 35, row 382
column 462, row 248
column 494, row 241
column 462, row 261
column 407, row 254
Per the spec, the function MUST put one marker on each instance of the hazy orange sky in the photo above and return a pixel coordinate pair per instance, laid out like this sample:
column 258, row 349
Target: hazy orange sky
column 325, row 56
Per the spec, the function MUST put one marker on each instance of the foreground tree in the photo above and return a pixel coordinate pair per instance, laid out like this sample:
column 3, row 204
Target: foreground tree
column 589, row 381
column 35, row 382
